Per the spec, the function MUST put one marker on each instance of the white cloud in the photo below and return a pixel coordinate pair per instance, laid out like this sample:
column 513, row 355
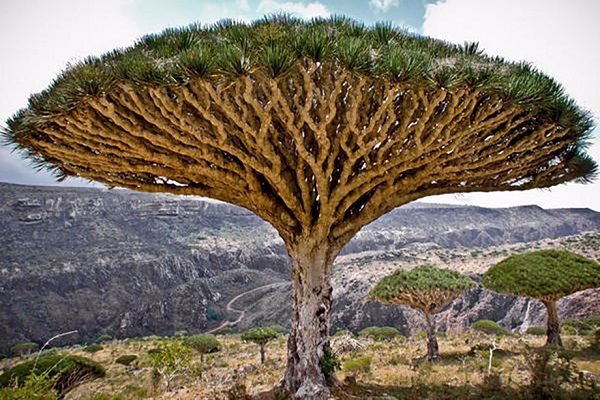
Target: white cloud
column 308, row 11
column 39, row 38
column 558, row 37
column 384, row 5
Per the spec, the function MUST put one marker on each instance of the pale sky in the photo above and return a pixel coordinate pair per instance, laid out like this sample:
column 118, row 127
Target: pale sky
column 38, row 38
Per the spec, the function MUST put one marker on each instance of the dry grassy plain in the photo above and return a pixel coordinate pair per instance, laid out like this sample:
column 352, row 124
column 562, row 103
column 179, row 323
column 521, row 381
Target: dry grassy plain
column 383, row 370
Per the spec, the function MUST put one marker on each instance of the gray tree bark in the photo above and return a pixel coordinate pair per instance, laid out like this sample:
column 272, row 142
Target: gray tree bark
column 433, row 350
column 309, row 334
column 553, row 326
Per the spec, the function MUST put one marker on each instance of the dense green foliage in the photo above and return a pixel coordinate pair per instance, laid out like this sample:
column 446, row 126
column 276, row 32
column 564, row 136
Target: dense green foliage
column 575, row 326
column 203, row 343
column 24, row 348
column 536, row 330
column 126, row 359
column 33, row 387
column 56, row 366
column 329, row 364
column 380, row 333
column 543, row 274
column 92, row 348
column 274, row 45
column 358, row 365
column 260, row 335
column 170, row 359
column 486, row 326
column 419, row 279
column 593, row 321
column 104, row 338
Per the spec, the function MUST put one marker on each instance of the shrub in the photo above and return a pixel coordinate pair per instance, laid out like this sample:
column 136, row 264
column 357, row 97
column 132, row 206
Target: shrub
column 33, row 387
column 380, row 332
column 550, row 369
column 226, row 330
column 536, row 330
column 180, row 334
column 21, row 349
column 170, row 360
column 126, row 359
column 92, row 348
column 593, row 321
column 65, row 371
column 329, row 364
column 486, row 326
column 358, row 365
column 577, row 327
column 104, row 338
column 278, row 329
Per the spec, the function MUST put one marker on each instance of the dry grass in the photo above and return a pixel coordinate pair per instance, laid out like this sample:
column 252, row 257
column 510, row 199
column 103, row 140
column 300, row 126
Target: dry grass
column 396, row 369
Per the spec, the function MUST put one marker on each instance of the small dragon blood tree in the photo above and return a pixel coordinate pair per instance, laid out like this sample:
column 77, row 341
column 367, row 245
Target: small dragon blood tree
column 546, row 275
column 427, row 289
column 260, row 336
column 317, row 127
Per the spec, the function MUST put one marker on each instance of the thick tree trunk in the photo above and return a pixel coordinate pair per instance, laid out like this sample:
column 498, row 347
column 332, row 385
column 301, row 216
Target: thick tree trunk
column 433, row 350
column 309, row 334
column 553, row 327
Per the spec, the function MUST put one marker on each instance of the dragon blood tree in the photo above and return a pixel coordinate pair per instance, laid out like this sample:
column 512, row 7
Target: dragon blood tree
column 545, row 275
column 427, row 289
column 317, row 127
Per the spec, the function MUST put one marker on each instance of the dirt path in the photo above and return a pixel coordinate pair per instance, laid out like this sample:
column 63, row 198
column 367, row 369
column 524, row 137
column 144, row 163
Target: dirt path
column 241, row 313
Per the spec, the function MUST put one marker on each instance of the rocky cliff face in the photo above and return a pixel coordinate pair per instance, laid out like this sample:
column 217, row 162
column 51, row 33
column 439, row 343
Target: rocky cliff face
column 129, row 264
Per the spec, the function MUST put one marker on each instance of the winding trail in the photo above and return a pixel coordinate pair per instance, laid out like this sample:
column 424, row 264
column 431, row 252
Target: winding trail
column 242, row 313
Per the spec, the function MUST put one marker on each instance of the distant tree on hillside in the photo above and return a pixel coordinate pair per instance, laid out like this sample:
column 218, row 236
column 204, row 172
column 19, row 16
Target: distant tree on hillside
column 203, row 344
column 24, row 348
column 425, row 288
column 546, row 275
column 260, row 336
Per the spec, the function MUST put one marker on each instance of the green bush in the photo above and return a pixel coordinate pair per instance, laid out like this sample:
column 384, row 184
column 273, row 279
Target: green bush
column 33, row 387
column 24, row 348
column 593, row 321
column 486, row 326
column 575, row 327
column 278, row 329
column 536, row 330
column 170, row 360
column 226, row 330
column 92, row 348
column 104, row 338
column 180, row 334
column 65, row 371
column 126, row 359
column 358, row 365
column 380, row 333
column 329, row 364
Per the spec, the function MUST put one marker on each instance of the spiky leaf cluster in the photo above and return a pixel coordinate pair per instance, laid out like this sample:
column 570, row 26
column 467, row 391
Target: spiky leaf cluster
column 260, row 335
column 427, row 288
column 228, row 49
column 203, row 343
column 543, row 274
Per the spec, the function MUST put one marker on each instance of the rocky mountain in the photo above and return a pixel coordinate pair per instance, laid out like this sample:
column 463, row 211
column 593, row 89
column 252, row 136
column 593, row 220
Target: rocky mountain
column 130, row 264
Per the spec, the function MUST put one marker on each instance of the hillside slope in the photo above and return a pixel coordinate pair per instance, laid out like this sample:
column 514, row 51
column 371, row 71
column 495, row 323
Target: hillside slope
column 130, row 264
